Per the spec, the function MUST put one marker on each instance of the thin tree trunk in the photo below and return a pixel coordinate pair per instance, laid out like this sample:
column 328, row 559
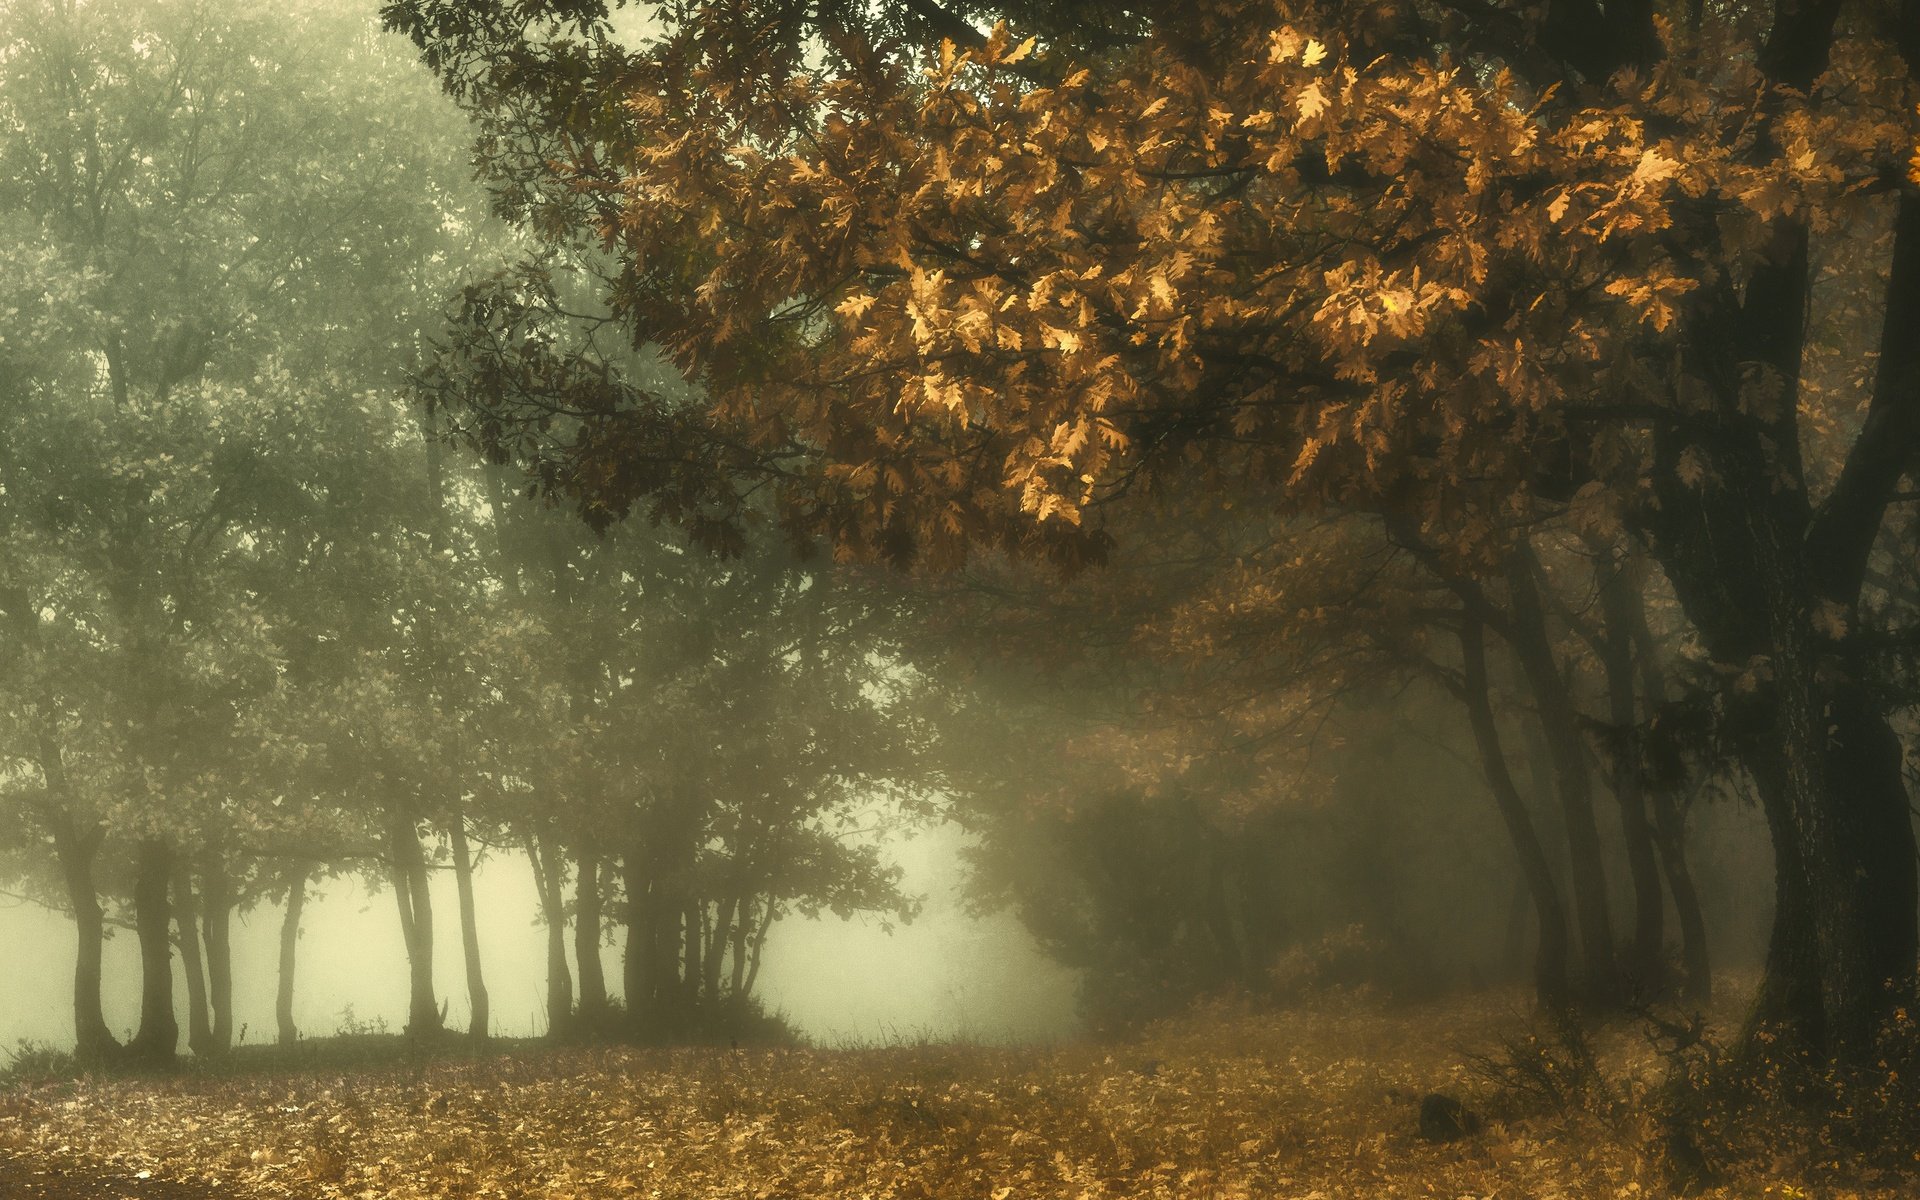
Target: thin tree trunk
column 547, row 874
column 1519, row 922
column 587, row 916
column 216, row 925
column 186, row 924
column 289, row 951
column 1670, row 823
column 425, row 1016
column 1670, row 836
column 695, row 941
column 1559, row 720
column 416, row 926
column 402, row 900
column 1550, row 952
column 158, row 1037
column 1647, row 961
column 637, row 962
column 479, row 1018
column 717, row 947
column 744, row 914
column 759, row 947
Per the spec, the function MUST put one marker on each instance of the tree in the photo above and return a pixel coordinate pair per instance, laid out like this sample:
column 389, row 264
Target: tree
column 190, row 186
column 1444, row 264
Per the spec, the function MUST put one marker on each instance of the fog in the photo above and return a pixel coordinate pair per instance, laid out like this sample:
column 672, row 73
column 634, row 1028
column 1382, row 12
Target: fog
column 1034, row 539
column 948, row 975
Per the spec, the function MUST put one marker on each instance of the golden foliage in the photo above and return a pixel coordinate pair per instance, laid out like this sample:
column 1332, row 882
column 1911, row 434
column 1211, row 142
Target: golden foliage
column 984, row 295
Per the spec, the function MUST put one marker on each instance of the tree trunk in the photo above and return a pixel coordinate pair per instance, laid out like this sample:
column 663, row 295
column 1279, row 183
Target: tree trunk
column 216, row 913
column 415, row 903
column 759, row 947
column 695, row 941
column 1560, row 722
column 637, row 962
column 1822, row 756
column 1670, row 822
column 737, row 992
column 289, row 950
column 479, row 1018
column 186, row 923
column 1646, row 965
column 548, row 870
column 1670, row 836
column 158, row 1037
column 1519, row 925
column 93, row 1042
column 1788, row 1006
column 1770, row 582
column 587, row 916
column 1849, row 807
column 1550, row 951
column 1827, row 768
column 717, row 947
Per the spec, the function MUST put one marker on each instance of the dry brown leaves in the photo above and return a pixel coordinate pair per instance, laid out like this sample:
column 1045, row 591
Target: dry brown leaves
column 1312, row 1104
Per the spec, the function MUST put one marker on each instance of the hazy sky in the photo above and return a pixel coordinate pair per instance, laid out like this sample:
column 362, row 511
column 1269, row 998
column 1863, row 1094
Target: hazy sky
column 945, row 975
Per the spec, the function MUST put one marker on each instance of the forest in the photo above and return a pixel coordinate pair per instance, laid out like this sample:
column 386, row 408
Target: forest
column 1386, row 529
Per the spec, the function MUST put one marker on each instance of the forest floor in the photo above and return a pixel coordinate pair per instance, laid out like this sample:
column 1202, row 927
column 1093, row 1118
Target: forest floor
column 1316, row 1103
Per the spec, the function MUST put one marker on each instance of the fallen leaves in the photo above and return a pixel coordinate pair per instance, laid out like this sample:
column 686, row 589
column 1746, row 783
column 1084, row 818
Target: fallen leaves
column 1225, row 1105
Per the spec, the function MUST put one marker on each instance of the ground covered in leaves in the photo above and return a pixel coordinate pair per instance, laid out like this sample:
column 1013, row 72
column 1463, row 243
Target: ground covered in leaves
column 1317, row 1103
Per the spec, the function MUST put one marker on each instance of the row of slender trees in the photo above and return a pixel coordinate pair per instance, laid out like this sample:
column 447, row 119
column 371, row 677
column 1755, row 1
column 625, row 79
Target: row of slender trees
column 263, row 628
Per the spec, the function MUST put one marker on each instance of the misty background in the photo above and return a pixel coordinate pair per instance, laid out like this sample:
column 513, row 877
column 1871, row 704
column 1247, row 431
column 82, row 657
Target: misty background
column 948, row 975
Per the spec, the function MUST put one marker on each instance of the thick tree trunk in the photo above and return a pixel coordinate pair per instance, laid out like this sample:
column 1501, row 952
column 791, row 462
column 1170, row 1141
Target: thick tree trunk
column 1827, row 768
column 1841, row 957
column 1851, row 815
column 587, row 927
column 547, row 876
column 1646, row 964
column 1823, row 758
column 1788, row 1005
column 93, row 1042
column 216, row 925
column 1560, row 721
column 289, row 951
column 186, row 924
column 479, row 1014
column 1550, row 951
column 158, row 1037
column 1769, row 582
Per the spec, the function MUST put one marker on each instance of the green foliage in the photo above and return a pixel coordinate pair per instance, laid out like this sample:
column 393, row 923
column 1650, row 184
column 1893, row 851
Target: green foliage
column 32, row 1062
